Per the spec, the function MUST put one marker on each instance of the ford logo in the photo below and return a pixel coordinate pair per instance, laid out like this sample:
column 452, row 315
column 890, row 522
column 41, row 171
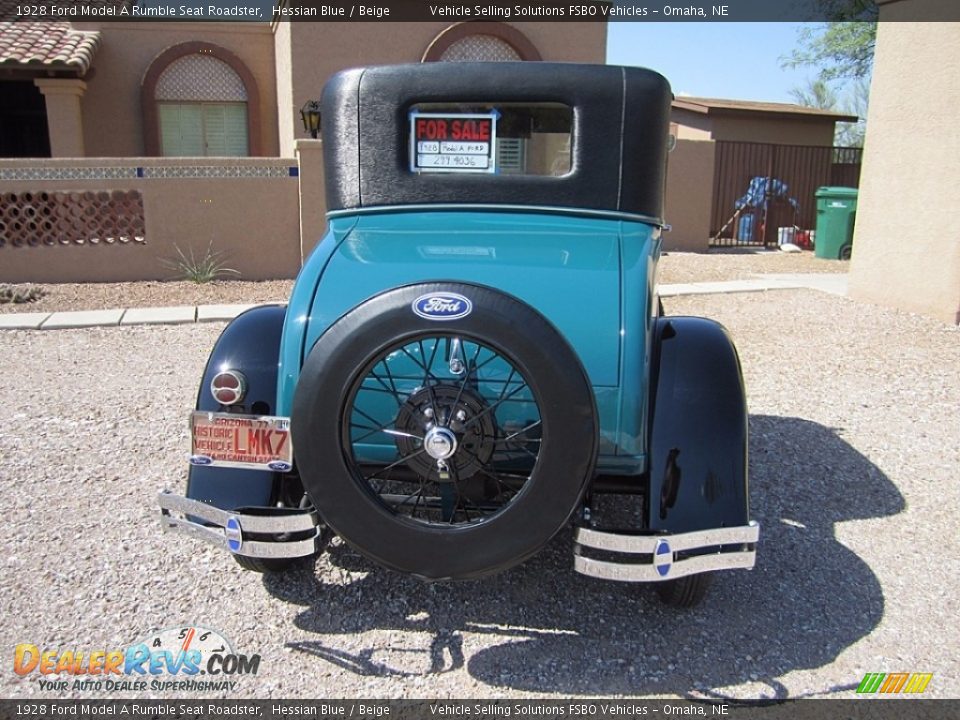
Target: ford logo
column 442, row 306
column 201, row 460
column 279, row 466
column 233, row 533
column 662, row 557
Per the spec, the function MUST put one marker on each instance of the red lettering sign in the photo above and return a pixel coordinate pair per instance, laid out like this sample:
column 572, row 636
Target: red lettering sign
column 470, row 130
column 431, row 129
column 442, row 129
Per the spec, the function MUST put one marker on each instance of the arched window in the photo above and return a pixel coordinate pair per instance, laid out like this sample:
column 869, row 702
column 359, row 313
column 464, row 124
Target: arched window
column 202, row 108
column 480, row 41
column 480, row 48
column 200, row 100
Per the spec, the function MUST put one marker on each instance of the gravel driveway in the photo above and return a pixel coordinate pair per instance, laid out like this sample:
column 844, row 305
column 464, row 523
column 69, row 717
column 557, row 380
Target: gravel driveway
column 854, row 454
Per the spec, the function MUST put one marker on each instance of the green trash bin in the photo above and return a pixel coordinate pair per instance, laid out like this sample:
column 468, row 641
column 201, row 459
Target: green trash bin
column 836, row 213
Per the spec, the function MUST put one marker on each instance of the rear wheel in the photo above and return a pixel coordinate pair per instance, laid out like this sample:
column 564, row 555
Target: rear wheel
column 845, row 252
column 444, row 449
column 265, row 565
column 684, row 592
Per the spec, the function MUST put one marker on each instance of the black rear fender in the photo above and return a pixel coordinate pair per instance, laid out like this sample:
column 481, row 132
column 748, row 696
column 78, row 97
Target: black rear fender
column 698, row 440
column 250, row 344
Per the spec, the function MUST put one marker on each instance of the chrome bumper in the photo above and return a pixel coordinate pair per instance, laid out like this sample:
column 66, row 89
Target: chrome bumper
column 279, row 532
column 655, row 558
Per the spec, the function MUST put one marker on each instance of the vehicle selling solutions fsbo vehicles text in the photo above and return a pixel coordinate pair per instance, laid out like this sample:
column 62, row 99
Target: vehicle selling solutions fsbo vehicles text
column 581, row 10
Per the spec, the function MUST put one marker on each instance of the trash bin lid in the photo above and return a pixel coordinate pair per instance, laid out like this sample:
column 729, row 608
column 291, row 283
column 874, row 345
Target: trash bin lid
column 836, row 192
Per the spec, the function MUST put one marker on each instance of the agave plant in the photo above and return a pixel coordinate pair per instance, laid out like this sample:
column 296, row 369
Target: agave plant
column 201, row 268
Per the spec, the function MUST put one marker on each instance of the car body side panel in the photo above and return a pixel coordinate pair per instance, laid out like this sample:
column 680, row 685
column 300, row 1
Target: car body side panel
column 298, row 311
column 569, row 268
column 640, row 250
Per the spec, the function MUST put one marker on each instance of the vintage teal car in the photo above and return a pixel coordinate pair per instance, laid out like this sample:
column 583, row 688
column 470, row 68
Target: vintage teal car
column 474, row 357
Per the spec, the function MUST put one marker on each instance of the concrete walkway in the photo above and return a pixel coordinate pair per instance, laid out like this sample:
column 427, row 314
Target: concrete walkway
column 177, row 315
column 833, row 283
column 836, row 284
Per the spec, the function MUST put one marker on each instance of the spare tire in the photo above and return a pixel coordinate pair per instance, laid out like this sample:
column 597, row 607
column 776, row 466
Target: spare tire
column 444, row 430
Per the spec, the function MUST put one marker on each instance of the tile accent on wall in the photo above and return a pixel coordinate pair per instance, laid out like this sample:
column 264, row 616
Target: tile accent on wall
column 161, row 172
column 69, row 173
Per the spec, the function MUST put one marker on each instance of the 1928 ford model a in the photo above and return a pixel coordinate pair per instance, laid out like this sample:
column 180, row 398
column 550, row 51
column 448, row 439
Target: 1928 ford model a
column 475, row 353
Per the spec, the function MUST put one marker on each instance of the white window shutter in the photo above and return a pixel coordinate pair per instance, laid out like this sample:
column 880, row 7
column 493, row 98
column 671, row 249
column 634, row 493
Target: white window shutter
column 235, row 130
column 203, row 129
column 511, row 155
column 214, row 132
column 169, row 116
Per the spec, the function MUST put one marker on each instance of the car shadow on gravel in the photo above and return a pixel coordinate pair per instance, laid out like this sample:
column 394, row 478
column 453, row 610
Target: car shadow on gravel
column 543, row 628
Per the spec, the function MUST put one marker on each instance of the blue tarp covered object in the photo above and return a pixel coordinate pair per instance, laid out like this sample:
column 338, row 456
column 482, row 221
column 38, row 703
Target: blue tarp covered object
column 762, row 189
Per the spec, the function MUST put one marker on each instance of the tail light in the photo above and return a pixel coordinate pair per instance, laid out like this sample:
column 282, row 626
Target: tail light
column 228, row 387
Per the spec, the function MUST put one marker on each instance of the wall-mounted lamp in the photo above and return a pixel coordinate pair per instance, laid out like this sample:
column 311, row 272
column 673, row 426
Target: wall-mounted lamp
column 310, row 113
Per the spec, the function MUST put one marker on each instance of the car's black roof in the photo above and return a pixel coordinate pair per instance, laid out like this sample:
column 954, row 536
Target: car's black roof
column 621, row 123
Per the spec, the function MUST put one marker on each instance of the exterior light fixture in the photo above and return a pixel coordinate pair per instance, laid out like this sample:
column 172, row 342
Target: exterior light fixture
column 310, row 113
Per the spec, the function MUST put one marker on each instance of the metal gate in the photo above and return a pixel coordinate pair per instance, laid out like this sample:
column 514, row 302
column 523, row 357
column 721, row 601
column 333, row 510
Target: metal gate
column 759, row 188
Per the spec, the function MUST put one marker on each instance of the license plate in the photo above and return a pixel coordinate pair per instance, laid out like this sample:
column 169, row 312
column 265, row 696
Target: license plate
column 252, row 442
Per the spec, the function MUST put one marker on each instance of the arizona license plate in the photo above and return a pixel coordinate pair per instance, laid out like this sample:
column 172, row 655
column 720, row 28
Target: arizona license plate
column 252, row 442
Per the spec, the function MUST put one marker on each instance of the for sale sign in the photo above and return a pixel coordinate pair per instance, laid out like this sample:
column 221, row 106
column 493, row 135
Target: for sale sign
column 453, row 142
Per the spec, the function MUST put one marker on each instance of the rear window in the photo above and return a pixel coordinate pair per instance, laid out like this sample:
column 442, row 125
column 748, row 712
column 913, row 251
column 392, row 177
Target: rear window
column 491, row 138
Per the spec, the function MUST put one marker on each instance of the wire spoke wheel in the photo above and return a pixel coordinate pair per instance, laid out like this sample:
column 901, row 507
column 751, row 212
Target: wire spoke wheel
column 442, row 429
column 444, row 449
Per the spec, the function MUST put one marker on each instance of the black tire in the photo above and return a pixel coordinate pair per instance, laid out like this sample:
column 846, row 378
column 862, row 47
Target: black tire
column 685, row 592
column 845, row 252
column 356, row 507
column 265, row 565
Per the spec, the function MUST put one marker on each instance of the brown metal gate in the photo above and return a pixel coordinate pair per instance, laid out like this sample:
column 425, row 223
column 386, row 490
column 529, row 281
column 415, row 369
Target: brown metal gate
column 801, row 168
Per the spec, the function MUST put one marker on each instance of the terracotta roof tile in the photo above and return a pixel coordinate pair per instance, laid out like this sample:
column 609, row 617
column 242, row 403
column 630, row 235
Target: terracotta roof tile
column 47, row 44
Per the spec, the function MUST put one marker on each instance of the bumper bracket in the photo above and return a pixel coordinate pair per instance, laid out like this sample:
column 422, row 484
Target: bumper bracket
column 656, row 558
column 264, row 532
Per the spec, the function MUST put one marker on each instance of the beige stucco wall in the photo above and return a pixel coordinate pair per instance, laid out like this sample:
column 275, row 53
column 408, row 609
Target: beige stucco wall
column 782, row 131
column 286, row 114
column 691, row 125
column 689, row 196
column 752, row 128
column 906, row 242
column 313, row 206
column 112, row 118
column 318, row 50
column 254, row 220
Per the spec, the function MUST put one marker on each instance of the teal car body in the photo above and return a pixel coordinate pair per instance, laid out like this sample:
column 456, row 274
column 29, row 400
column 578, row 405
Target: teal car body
column 592, row 275
column 474, row 356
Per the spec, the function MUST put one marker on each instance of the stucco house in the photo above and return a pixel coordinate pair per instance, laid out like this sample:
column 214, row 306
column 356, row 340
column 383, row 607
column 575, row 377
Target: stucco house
column 131, row 114
column 127, row 141
column 697, row 118
column 138, row 89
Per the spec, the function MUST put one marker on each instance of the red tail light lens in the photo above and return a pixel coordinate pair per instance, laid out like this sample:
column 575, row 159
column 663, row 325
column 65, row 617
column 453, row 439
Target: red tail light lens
column 228, row 387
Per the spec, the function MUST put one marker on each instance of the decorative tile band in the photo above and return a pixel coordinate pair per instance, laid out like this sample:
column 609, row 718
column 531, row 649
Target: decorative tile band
column 149, row 173
column 218, row 171
column 70, row 173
